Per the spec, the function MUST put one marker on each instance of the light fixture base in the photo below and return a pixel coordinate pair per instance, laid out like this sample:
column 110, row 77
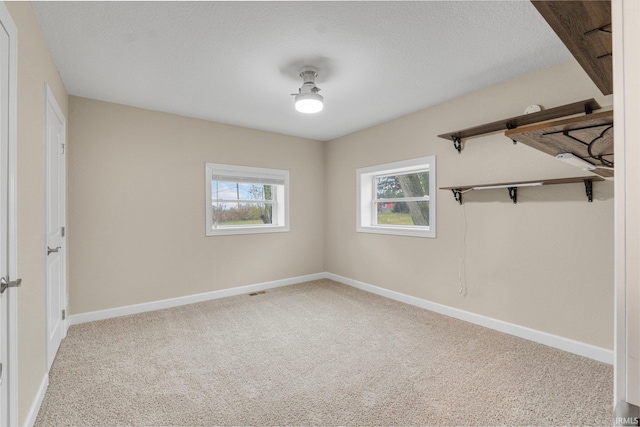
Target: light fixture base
column 309, row 74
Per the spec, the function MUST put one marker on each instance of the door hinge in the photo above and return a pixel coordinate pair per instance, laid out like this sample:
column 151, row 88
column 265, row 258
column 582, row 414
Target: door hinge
column 64, row 314
column 63, row 148
column 62, row 230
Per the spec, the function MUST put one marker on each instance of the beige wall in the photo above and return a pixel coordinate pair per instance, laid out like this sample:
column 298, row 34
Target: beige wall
column 35, row 68
column 545, row 263
column 137, row 207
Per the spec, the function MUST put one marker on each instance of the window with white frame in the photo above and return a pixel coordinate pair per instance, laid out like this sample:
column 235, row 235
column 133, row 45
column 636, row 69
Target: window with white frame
column 398, row 198
column 243, row 200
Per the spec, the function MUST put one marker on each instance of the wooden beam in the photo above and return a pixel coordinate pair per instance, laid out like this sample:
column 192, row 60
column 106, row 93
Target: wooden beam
column 584, row 26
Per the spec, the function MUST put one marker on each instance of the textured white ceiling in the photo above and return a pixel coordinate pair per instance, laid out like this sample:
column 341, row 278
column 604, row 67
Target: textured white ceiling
column 238, row 62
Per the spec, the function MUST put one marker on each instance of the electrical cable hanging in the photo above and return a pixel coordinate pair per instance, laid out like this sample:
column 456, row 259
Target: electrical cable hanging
column 462, row 270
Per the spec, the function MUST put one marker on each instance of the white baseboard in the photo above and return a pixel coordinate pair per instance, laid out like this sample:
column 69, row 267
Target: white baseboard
column 37, row 402
column 566, row 344
column 189, row 299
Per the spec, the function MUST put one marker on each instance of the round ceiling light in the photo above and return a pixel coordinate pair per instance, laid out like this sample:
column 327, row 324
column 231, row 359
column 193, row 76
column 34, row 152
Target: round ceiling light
column 308, row 100
column 309, row 103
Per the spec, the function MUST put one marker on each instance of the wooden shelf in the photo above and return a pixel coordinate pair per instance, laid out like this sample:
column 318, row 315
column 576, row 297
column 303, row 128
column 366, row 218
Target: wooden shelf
column 585, row 28
column 512, row 187
column 586, row 106
column 589, row 137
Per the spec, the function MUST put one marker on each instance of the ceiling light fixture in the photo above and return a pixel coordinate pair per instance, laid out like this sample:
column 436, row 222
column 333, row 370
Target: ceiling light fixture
column 308, row 100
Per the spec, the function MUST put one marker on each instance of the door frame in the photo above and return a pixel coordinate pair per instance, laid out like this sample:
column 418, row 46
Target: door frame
column 50, row 101
column 12, row 293
column 626, row 63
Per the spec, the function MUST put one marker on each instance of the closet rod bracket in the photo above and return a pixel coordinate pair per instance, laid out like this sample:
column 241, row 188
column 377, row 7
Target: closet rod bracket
column 513, row 194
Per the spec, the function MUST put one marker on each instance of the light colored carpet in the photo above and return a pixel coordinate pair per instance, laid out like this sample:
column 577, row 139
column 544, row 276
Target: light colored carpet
column 318, row 353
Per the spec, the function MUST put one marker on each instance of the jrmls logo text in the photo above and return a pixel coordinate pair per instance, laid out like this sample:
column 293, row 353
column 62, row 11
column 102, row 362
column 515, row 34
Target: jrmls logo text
column 627, row 421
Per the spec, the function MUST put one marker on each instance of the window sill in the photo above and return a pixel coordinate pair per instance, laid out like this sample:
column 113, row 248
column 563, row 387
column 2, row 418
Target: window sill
column 246, row 230
column 398, row 231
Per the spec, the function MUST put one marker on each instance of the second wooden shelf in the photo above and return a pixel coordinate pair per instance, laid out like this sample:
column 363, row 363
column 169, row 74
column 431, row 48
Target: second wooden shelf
column 512, row 187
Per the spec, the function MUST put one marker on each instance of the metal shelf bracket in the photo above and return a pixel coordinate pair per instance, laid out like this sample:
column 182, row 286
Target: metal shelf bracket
column 588, row 186
column 457, row 143
column 457, row 194
column 513, row 194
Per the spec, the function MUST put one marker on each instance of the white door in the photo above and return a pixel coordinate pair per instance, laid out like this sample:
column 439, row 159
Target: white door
column 55, row 226
column 8, row 264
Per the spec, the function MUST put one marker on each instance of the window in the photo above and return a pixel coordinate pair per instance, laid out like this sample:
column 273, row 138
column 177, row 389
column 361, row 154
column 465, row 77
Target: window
column 398, row 198
column 243, row 200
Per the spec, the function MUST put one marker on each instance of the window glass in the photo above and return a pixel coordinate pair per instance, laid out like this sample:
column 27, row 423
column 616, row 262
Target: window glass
column 395, row 194
column 404, row 185
column 397, row 198
column 244, row 200
column 403, row 213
